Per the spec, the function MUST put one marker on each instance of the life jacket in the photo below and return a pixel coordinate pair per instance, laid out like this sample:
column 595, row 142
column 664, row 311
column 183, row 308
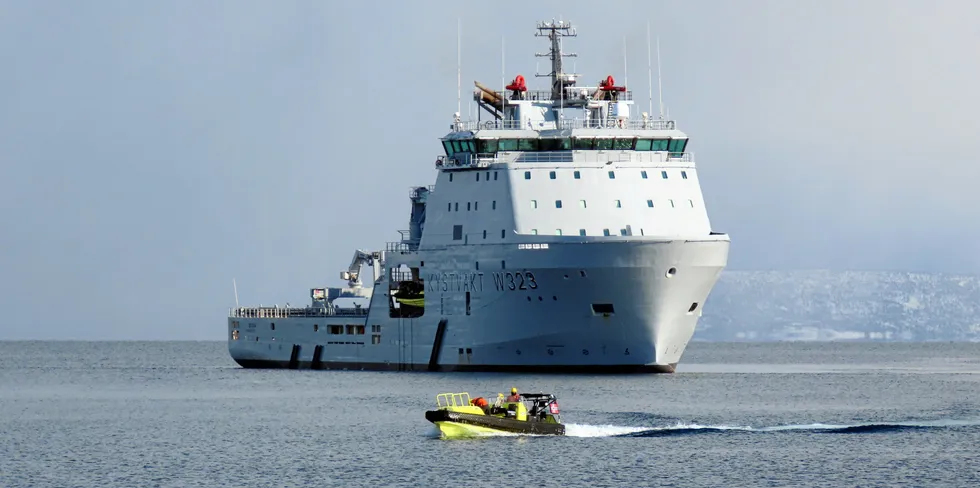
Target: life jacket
column 480, row 402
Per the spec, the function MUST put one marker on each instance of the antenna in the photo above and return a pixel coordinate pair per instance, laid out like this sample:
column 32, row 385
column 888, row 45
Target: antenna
column 236, row 291
column 649, row 69
column 459, row 61
column 626, row 77
column 503, row 84
column 660, row 83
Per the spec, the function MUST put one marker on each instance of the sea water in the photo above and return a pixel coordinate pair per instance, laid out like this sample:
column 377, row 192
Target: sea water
column 178, row 414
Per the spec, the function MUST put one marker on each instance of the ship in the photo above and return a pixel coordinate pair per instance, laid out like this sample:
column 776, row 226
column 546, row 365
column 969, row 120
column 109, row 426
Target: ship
column 564, row 233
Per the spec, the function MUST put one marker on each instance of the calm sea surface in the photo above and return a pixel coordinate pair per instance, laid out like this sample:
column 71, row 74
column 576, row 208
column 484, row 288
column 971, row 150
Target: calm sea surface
column 176, row 414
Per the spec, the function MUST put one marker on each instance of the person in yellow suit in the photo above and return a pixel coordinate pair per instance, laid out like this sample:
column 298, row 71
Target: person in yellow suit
column 514, row 396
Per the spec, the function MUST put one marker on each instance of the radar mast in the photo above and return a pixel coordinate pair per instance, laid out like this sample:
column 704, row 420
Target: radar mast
column 555, row 32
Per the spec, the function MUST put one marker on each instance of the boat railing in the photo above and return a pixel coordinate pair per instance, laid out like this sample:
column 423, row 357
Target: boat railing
column 452, row 399
column 545, row 157
column 288, row 312
column 400, row 246
column 613, row 123
column 417, row 191
column 570, row 96
column 478, row 161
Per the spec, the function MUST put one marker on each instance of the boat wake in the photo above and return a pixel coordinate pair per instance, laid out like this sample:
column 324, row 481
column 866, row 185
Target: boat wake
column 585, row 430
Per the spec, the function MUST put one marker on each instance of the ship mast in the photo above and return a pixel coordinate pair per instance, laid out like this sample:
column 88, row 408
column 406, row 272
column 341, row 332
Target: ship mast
column 555, row 32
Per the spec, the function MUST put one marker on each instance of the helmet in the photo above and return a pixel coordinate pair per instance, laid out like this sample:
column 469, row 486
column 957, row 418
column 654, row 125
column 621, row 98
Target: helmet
column 513, row 390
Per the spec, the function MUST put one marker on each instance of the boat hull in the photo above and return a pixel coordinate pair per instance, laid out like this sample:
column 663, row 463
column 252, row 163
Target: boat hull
column 503, row 309
column 457, row 424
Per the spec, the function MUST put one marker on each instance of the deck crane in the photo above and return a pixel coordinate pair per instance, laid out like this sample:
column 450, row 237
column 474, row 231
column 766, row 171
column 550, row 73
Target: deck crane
column 352, row 275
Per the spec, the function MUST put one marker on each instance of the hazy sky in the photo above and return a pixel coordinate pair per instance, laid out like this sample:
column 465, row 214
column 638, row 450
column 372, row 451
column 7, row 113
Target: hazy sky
column 152, row 151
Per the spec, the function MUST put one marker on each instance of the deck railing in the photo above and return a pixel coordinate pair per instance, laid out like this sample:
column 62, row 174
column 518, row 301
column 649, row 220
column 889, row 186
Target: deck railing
column 611, row 124
column 287, row 312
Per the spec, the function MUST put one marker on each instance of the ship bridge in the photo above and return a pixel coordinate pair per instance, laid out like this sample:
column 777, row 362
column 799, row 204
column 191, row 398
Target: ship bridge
column 572, row 163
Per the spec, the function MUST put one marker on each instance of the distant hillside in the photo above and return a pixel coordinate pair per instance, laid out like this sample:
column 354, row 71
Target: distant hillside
column 841, row 305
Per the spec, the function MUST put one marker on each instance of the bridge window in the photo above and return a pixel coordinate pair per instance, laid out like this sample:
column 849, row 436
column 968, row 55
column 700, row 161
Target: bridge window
column 581, row 232
column 557, row 232
column 552, row 175
column 612, row 175
column 582, row 143
column 650, row 203
column 623, row 144
column 664, row 174
column 581, row 203
column 534, row 204
column 457, row 232
column 336, row 329
column 507, row 145
column 527, row 175
column 677, row 145
column 684, row 175
column 605, row 232
column 534, row 232
column 563, row 144
column 644, row 144
column 643, row 174
column 486, row 146
column 660, row 144
column 622, row 232
column 578, row 175
column 603, row 144
column 557, row 203
column 527, row 145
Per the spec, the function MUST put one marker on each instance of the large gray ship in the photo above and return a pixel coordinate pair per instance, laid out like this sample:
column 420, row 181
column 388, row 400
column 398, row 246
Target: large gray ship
column 563, row 234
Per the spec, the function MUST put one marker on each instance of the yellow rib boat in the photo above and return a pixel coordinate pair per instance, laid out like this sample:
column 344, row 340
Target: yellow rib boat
column 457, row 415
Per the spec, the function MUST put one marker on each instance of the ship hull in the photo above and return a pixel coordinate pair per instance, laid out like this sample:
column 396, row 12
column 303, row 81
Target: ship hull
column 611, row 307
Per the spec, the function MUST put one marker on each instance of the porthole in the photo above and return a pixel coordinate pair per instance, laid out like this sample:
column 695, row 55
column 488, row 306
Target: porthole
column 671, row 272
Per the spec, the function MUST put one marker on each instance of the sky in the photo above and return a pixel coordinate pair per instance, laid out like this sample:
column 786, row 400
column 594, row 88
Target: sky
column 152, row 152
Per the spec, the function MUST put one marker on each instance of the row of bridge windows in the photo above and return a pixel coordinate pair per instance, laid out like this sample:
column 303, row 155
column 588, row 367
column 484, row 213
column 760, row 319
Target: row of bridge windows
column 491, row 146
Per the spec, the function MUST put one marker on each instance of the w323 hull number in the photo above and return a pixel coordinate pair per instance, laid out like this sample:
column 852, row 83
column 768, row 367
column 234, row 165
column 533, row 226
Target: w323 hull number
column 519, row 280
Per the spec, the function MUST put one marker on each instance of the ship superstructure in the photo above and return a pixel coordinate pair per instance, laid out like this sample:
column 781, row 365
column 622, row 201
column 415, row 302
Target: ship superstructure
column 563, row 234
